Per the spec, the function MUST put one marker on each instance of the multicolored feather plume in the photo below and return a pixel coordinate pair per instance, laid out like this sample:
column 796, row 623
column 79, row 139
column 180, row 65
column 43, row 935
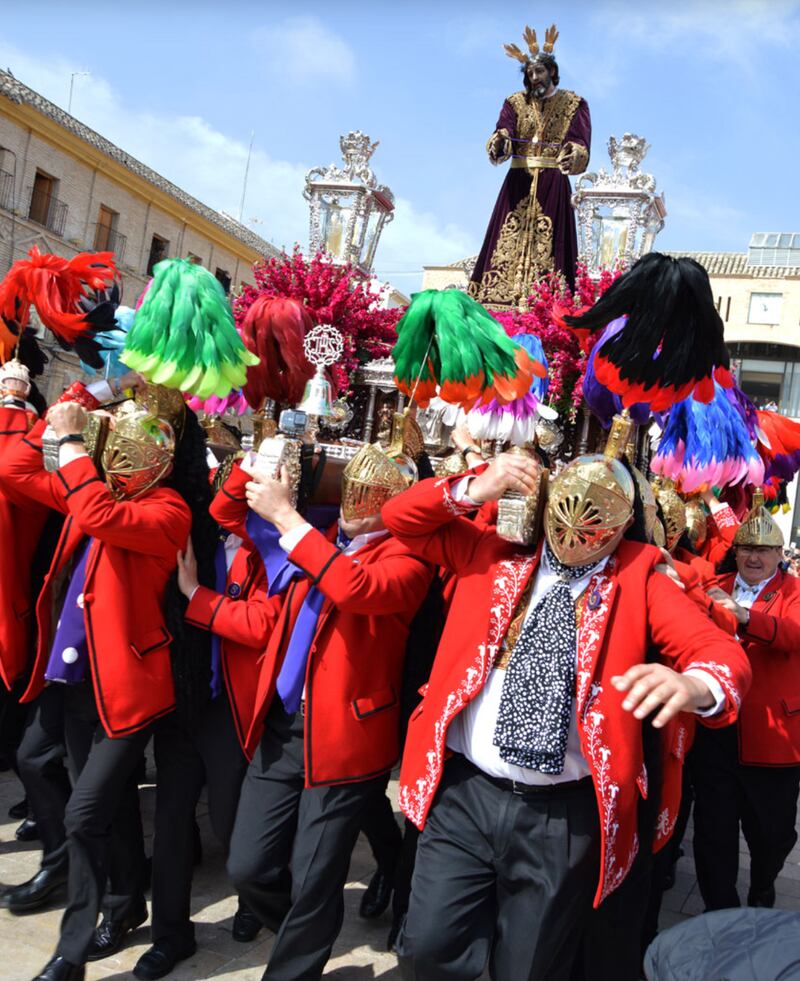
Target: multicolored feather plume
column 273, row 328
column 448, row 340
column 183, row 335
column 57, row 288
column 111, row 344
column 707, row 444
column 671, row 345
column 514, row 422
column 778, row 444
column 603, row 403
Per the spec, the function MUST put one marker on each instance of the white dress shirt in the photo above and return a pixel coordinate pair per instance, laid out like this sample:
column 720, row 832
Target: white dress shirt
column 744, row 594
column 472, row 731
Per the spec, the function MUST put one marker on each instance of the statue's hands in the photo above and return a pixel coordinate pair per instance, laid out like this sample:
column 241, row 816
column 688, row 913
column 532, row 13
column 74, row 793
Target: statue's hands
column 571, row 160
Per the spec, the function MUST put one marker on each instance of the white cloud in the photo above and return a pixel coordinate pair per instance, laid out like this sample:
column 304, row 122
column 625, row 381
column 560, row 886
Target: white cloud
column 210, row 165
column 303, row 51
column 737, row 30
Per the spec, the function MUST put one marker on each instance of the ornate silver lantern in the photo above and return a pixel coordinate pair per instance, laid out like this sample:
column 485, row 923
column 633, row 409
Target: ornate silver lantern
column 619, row 213
column 349, row 209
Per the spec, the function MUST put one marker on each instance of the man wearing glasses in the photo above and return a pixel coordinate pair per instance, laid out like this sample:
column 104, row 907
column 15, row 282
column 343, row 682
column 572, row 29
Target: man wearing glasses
column 749, row 773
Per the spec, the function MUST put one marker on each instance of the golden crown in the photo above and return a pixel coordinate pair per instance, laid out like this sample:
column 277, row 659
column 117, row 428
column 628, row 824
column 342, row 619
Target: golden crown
column 529, row 37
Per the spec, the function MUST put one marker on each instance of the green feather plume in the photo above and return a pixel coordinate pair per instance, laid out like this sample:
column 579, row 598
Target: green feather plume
column 183, row 335
column 448, row 340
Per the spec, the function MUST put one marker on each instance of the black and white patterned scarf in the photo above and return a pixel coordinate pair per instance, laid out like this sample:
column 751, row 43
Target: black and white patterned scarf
column 536, row 702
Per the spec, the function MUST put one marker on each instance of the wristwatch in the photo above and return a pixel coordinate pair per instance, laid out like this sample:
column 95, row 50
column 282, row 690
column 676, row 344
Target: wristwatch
column 473, row 448
column 71, row 438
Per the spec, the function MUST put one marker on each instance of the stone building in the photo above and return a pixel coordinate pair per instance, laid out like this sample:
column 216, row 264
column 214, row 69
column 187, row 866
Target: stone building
column 66, row 189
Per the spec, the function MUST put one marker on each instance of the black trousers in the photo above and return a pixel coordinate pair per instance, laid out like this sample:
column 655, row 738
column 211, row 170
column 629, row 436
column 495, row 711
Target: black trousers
column 313, row 830
column 12, row 722
column 382, row 831
column 501, row 878
column 762, row 799
column 186, row 759
column 40, row 759
column 102, row 822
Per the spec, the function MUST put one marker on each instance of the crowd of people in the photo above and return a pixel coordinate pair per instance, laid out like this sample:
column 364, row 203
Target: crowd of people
column 274, row 654
column 542, row 643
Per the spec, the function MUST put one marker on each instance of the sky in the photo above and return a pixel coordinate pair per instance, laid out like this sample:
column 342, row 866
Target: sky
column 711, row 84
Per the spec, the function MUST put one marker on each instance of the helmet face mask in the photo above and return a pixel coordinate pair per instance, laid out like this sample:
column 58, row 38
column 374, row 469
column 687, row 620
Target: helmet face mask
column 759, row 529
column 589, row 508
column 371, row 478
column 138, row 452
column 696, row 522
column 375, row 475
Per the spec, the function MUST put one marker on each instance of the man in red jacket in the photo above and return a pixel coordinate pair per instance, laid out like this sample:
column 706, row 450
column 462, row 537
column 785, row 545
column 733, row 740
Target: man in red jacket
column 107, row 653
column 750, row 773
column 524, row 761
column 325, row 729
column 240, row 616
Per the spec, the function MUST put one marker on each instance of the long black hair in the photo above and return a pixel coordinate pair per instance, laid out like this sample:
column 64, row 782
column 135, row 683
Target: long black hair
column 636, row 530
column 191, row 647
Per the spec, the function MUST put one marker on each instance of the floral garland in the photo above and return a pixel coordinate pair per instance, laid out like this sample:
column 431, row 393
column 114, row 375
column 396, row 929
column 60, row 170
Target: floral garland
column 333, row 294
column 566, row 359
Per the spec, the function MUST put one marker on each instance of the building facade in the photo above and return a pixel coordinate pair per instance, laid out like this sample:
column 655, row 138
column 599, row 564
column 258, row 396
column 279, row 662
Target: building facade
column 66, row 189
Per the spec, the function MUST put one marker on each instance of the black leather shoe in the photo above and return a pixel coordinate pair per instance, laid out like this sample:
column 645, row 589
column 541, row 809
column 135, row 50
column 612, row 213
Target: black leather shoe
column 764, row 899
column 375, row 900
column 245, row 925
column 109, row 935
column 19, row 811
column 36, row 892
column 27, row 831
column 161, row 959
column 58, row 969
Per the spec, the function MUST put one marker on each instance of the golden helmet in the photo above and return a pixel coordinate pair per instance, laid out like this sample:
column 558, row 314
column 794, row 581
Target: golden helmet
column 649, row 505
column 375, row 474
column 759, row 527
column 590, row 503
column 696, row 522
column 672, row 511
column 138, row 452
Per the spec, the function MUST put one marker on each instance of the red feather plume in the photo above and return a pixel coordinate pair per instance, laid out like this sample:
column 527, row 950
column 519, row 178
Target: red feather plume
column 274, row 329
column 54, row 286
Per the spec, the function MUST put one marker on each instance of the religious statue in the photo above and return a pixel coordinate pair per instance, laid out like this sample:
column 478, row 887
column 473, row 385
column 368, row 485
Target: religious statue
column 546, row 132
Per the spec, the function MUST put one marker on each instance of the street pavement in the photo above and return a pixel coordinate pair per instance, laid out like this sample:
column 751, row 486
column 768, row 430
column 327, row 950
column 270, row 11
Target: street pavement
column 26, row 943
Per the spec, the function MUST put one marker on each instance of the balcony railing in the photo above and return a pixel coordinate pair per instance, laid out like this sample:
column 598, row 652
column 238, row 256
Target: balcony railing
column 47, row 210
column 6, row 191
column 109, row 240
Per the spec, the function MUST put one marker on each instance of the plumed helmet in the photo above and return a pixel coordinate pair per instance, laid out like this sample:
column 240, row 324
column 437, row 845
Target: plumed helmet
column 140, row 448
column 375, row 474
column 590, row 503
column 696, row 522
column 673, row 512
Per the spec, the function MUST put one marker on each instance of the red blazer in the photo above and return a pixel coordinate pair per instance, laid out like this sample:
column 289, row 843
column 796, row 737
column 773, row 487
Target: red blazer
column 21, row 524
column 769, row 720
column 132, row 557
column 244, row 616
column 353, row 679
column 627, row 608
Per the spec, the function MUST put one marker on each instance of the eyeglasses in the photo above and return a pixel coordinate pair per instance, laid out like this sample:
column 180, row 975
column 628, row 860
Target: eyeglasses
column 756, row 549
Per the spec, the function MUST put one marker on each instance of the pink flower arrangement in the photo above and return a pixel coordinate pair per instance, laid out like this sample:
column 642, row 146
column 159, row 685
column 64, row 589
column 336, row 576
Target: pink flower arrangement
column 333, row 294
column 566, row 359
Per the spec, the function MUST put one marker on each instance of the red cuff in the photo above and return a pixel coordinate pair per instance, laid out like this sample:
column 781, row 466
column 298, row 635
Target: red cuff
column 78, row 392
column 203, row 607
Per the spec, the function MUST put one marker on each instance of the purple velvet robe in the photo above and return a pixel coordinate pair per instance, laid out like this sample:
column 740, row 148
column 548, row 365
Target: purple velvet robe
column 525, row 242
